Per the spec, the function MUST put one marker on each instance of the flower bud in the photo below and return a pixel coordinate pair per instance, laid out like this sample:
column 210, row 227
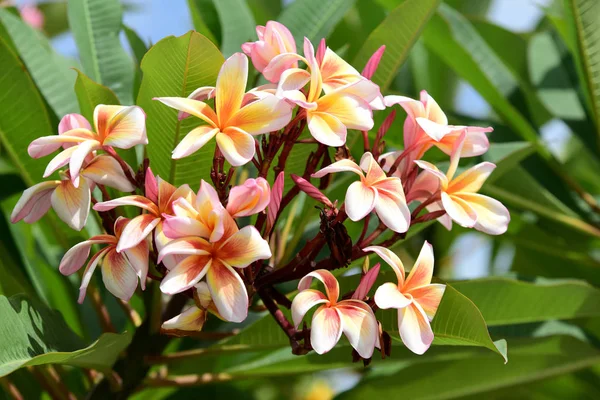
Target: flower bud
column 273, row 39
column 250, row 198
column 311, row 190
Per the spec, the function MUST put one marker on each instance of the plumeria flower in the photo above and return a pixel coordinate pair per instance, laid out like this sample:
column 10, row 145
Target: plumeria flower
column 375, row 191
column 426, row 125
column 328, row 116
column 236, row 116
column 237, row 248
column 415, row 297
column 273, row 39
column 120, row 270
column 193, row 318
column 460, row 199
column 354, row 318
column 250, row 198
column 157, row 202
column 115, row 126
column 72, row 204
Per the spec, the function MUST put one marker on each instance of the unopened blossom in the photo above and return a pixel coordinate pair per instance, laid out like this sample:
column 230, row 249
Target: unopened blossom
column 120, row 270
column 415, row 297
column 237, row 248
column 250, row 198
column 193, row 318
column 426, row 125
column 374, row 191
column 157, row 202
column 352, row 317
column 236, row 117
column 342, row 107
column 459, row 197
column 273, row 39
column 72, row 204
column 114, row 126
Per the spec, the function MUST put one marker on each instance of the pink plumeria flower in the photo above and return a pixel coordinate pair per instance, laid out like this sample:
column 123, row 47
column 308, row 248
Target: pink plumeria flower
column 236, row 116
column 460, row 199
column 426, row 125
column 354, row 318
column 342, row 107
column 193, row 318
column 115, row 126
column 32, row 16
column 157, row 203
column 249, row 198
column 72, row 204
column 374, row 191
column 273, row 39
column 237, row 248
column 120, row 270
column 415, row 297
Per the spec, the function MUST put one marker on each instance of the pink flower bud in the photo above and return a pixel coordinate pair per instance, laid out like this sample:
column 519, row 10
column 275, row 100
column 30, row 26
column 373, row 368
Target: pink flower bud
column 275, row 202
column 373, row 63
column 311, row 190
column 366, row 283
column 250, row 198
column 321, row 51
column 151, row 186
column 273, row 39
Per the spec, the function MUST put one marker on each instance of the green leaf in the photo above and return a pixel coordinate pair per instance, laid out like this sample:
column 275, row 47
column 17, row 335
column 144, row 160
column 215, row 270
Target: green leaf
column 583, row 18
column 176, row 66
column 313, row 19
column 507, row 156
column 139, row 49
column 505, row 301
column 23, row 115
column 90, row 94
column 237, row 24
column 55, row 17
column 13, row 280
column 398, row 32
column 46, row 67
column 34, row 335
column 96, row 25
column 205, row 19
column 530, row 361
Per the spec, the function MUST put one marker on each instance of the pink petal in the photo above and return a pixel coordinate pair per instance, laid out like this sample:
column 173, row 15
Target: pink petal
column 43, row 146
column 339, row 166
column 124, row 126
column 373, row 63
column 459, row 210
column 275, row 200
column 423, row 187
column 429, row 168
column 422, row 272
column 78, row 157
column 476, row 141
column 76, row 256
column 432, row 109
column 34, row 202
column 413, row 108
column 138, row 257
column 73, row 121
column 391, row 259
column 179, row 227
column 250, row 198
column 434, row 130
column 191, row 319
column 151, row 186
column 304, row 301
column 133, row 200
column 492, row 216
column 194, row 141
column 136, row 231
column 89, row 271
column 389, row 295
column 228, row 292
column 371, row 168
column 359, row 325
column 366, row 283
column 118, row 275
column 186, row 274
column 243, row 248
column 429, row 298
column 72, row 204
column 185, row 246
column 105, row 170
column 331, row 284
column 325, row 330
column 414, row 328
column 279, row 64
column 59, row 161
column 360, row 201
column 391, row 206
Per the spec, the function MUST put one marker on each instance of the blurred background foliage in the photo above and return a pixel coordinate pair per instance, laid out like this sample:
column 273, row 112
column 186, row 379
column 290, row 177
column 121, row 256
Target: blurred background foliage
column 530, row 69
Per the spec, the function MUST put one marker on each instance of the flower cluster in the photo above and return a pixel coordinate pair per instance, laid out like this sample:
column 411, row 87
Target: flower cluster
column 220, row 245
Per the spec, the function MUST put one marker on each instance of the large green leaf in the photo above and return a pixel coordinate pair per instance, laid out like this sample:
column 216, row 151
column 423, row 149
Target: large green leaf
column 398, row 32
column 237, row 24
column 90, row 94
column 96, row 25
column 205, row 19
column 583, row 18
column 47, row 68
column 34, row 335
column 530, row 361
column 313, row 19
column 176, row 66
column 13, row 279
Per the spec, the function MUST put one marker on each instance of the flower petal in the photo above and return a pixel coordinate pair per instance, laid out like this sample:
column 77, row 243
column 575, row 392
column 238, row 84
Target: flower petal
column 118, row 275
column 371, row 168
column 133, row 200
column 331, row 284
column 267, row 114
column 414, row 328
column 194, row 141
column 389, row 295
column 459, row 210
column 72, row 204
column 76, row 256
column 201, row 94
column 327, row 129
column 243, row 248
column 73, row 121
column 422, row 272
column 414, row 108
column 432, row 109
column 434, row 130
column 429, row 298
column 476, row 141
column 78, row 157
column 236, row 145
column 350, row 110
column 34, row 202
column 279, row 65
column 59, row 161
column 472, row 179
column 391, row 259
column 193, row 107
column 360, row 200
column 138, row 257
column 304, row 301
column 45, row 145
column 89, row 271
column 121, row 126
column 359, row 325
column 250, row 198
column 191, row 319
column 290, row 84
column 137, row 230
column 391, row 206
column 185, row 246
column 366, row 283
column 179, row 227
column 231, row 85
column 433, row 170
column 339, row 166
column 492, row 216
column 186, row 274
column 325, row 329
column 228, row 292
column 105, row 170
